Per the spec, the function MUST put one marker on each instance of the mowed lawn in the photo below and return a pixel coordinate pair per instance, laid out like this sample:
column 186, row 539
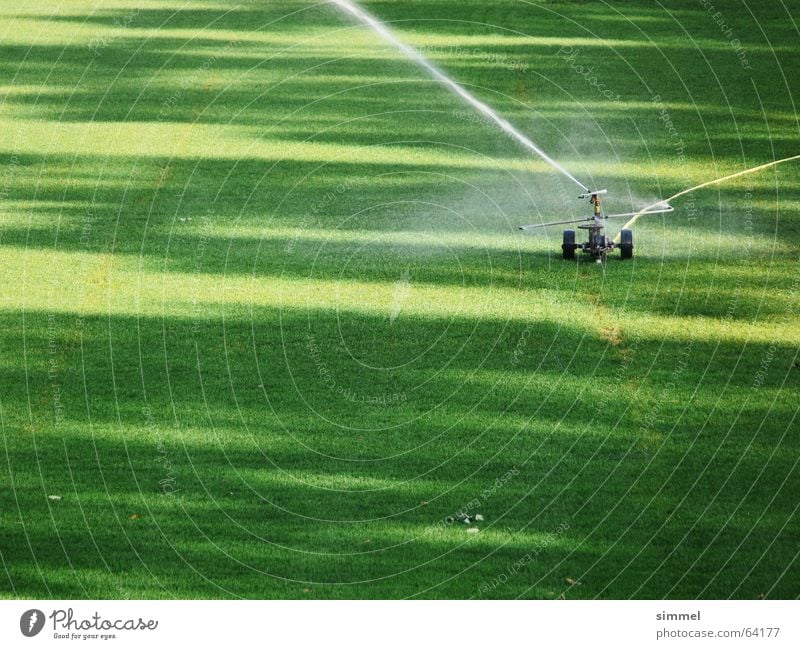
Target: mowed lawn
column 267, row 320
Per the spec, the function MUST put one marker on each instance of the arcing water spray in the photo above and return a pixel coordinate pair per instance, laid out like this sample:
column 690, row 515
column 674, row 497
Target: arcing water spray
column 386, row 34
column 709, row 183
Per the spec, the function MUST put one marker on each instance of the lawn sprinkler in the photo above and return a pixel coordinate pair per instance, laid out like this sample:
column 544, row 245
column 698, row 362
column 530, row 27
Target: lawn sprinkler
column 599, row 245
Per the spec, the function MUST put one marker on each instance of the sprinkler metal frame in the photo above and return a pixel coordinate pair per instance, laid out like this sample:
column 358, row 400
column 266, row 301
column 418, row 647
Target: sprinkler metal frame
column 598, row 245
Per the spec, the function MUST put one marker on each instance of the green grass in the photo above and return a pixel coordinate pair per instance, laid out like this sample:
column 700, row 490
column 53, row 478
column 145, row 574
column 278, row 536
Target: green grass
column 267, row 321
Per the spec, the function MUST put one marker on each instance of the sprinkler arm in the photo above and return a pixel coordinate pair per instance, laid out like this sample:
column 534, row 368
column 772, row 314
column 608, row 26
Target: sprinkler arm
column 544, row 225
column 663, row 210
column 596, row 192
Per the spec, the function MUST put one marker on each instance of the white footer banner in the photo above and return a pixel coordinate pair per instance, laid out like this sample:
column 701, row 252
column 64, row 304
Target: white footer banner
column 391, row 624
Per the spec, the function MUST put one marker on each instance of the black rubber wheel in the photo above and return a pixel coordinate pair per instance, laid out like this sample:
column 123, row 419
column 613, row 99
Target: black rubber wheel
column 626, row 244
column 568, row 247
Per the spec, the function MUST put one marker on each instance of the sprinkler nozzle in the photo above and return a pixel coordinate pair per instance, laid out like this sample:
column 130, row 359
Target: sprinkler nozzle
column 597, row 192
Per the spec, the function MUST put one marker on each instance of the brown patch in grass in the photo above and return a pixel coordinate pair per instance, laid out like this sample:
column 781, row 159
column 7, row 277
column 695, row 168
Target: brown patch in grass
column 612, row 335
